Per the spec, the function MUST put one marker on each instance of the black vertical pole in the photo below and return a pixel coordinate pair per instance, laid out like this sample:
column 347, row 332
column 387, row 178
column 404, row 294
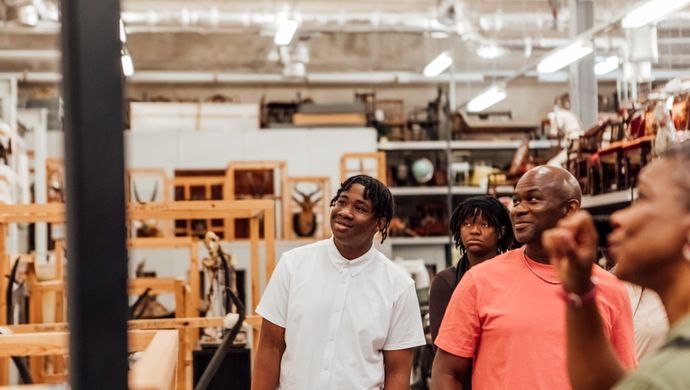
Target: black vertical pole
column 94, row 159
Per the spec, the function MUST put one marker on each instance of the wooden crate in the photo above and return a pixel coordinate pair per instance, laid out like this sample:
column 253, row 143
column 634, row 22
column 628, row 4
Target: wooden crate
column 254, row 210
column 372, row 164
column 265, row 175
column 199, row 188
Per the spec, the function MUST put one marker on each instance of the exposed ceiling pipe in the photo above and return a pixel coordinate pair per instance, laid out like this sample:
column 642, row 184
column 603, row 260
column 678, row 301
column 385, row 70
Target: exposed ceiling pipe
column 213, row 18
column 194, row 18
column 14, row 55
column 356, row 78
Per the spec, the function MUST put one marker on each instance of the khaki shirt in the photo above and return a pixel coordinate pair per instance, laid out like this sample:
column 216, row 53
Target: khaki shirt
column 669, row 368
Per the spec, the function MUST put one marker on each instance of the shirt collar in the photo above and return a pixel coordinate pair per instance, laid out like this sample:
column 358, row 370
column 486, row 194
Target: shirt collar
column 355, row 265
column 681, row 329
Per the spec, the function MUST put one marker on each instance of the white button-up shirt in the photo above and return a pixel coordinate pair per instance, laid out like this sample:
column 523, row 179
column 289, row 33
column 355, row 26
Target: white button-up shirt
column 339, row 316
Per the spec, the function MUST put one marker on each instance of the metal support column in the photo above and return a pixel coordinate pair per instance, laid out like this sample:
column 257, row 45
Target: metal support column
column 94, row 157
column 583, row 85
column 453, row 106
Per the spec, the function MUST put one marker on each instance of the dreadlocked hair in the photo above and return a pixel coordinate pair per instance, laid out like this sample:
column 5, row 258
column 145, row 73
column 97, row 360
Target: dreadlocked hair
column 495, row 214
column 378, row 193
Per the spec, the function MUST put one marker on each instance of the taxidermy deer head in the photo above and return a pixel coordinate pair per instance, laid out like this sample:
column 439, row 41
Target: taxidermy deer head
column 146, row 228
column 304, row 222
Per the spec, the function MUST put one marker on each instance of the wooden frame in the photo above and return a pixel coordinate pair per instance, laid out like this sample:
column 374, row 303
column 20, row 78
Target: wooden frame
column 185, row 325
column 247, row 209
column 136, row 286
column 177, row 287
column 253, row 210
column 187, row 183
column 283, row 196
column 164, row 194
column 192, row 303
column 156, row 370
column 322, row 208
column 149, row 172
column 187, row 302
column 378, row 157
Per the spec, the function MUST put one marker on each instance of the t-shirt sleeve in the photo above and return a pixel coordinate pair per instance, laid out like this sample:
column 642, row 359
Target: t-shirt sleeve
column 461, row 328
column 405, row 329
column 622, row 330
column 274, row 302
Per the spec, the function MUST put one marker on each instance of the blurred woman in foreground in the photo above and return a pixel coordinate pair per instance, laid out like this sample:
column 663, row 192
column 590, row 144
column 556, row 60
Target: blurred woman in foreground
column 651, row 245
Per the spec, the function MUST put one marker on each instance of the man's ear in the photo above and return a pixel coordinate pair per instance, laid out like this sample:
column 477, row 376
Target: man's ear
column 571, row 207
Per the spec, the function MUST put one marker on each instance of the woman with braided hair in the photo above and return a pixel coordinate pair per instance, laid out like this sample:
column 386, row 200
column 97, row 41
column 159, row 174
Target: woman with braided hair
column 481, row 230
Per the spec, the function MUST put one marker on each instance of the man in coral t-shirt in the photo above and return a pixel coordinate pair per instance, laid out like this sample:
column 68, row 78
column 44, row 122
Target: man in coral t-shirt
column 505, row 324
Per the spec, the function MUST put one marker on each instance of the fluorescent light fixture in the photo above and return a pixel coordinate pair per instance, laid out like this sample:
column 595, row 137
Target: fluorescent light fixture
column 651, row 11
column 438, row 65
column 564, row 56
column 286, row 31
column 123, row 33
column 490, row 51
column 609, row 64
column 127, row 64
column 486, row 99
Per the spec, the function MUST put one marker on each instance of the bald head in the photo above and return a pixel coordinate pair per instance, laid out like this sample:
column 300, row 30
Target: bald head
column 542, row 196
column 558, row 181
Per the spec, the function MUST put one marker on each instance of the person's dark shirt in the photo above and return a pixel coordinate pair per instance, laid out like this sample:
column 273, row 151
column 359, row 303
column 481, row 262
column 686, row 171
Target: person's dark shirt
column 442, row 288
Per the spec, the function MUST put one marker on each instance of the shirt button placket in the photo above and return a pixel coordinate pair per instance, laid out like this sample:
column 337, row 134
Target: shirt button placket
column 334, row 324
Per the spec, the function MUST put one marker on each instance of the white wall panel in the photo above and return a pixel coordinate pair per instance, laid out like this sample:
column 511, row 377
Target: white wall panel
column 308, row 152
column 152, row 150
column 209, row 149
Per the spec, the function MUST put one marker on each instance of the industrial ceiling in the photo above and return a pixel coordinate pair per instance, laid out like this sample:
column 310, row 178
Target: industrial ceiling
column 487, row 38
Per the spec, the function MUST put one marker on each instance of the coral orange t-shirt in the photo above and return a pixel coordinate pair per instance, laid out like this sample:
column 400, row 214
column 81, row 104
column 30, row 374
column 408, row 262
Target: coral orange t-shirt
column 513, row 323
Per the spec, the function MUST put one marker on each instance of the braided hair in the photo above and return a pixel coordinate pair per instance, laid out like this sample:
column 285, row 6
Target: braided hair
column 495, row 214
column 378, row 193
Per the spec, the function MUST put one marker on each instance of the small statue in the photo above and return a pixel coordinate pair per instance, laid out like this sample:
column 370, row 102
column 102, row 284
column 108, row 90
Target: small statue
column 220, row 276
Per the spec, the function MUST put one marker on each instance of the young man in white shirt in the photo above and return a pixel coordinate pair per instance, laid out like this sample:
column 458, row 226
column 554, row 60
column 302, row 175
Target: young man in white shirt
column 338, row 314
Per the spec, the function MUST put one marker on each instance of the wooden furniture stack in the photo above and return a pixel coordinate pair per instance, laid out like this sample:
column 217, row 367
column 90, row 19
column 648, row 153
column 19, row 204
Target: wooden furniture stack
column 187, row 298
